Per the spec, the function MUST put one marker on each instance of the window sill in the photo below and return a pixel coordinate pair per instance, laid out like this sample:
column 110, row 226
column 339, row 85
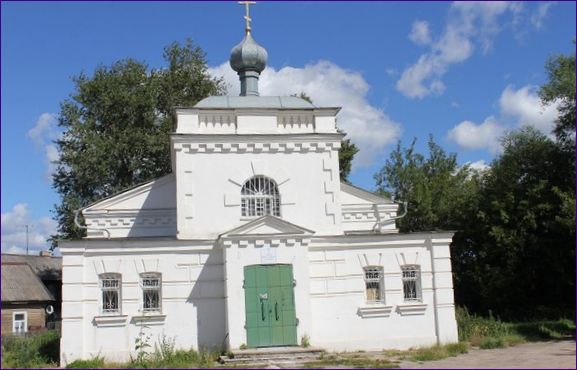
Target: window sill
column 374, row 310
column 414, row 308
column 110, row 320
column 152, row 318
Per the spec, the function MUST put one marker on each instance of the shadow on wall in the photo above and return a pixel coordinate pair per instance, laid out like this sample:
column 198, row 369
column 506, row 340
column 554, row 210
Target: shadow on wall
column 207, row 296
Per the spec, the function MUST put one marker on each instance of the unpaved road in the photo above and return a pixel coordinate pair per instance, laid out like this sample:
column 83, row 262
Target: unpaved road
column 537, row 355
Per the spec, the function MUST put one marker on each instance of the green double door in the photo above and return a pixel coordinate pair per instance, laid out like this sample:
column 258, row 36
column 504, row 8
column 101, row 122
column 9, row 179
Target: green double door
column 270, row 305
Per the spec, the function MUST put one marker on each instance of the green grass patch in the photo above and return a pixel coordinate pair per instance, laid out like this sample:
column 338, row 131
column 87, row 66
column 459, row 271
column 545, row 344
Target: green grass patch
column 434, row 353
column 93, row 363
column 35, row 351
column 491, row 332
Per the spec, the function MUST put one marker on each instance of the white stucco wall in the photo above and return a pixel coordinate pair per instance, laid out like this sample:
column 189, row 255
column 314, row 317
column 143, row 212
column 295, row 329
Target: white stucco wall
column 338, row 296
column 193, row 303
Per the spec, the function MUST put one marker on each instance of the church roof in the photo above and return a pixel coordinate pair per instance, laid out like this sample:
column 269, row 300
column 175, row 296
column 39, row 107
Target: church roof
column 270, row 102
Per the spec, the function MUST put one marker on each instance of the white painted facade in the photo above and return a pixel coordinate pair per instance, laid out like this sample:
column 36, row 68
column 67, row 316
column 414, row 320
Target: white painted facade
column 188, row 227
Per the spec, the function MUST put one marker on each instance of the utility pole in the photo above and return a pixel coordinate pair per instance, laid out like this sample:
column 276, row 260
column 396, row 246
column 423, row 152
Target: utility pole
column 27, row 239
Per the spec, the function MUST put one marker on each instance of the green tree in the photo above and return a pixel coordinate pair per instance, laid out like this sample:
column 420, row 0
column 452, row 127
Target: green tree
column 116, row 127
column 515, row 254
column 346, row 153
column 436, row 188
column 561, row 88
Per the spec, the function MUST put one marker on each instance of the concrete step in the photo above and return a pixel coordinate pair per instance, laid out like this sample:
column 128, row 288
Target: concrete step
column 280, row 356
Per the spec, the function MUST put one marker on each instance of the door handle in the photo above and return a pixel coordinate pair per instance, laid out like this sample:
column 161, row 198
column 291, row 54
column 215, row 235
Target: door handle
column 276, row 310
column 262, row 309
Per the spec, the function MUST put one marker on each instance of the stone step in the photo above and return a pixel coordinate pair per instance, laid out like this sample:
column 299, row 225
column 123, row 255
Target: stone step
column 272, row 355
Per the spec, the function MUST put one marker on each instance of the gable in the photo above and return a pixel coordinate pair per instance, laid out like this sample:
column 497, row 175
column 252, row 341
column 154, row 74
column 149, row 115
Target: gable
column 354, row 195
column 267, row 225
column 156, row 194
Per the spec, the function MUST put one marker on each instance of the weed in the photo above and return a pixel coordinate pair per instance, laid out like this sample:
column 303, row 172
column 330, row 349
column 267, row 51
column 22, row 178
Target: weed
column 39, row 350
column 93, row 363
column 305, row 341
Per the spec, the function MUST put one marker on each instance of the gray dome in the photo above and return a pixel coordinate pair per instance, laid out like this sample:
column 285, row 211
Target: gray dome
column 248, row 56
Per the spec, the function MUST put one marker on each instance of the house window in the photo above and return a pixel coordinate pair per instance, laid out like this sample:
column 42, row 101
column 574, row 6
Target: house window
column 411, row 282
column 259, row 197
column 19, row 322
column 110, row 285
column 374, row 284
column 150, row 283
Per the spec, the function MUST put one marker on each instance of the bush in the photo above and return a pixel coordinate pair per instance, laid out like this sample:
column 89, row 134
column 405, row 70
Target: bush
column 39, row 350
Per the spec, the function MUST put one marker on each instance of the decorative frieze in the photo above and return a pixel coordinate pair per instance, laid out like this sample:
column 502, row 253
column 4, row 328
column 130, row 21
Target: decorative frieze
column 284, row 147
column 295, row 123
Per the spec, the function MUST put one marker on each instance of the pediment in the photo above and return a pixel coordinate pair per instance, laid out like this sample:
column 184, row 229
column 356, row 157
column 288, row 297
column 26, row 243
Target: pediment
column 267, row 226
column 156, row 194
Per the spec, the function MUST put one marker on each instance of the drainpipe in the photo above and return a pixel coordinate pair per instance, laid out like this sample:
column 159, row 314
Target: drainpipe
column 378, row 225
column 86, row 227
column 429, row 243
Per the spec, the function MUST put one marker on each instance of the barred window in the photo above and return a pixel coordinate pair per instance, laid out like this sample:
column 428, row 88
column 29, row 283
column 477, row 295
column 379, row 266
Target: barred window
column 374, row 284
column 110, row 285
column 151, row 287
column 259, row 197
column 411, row 282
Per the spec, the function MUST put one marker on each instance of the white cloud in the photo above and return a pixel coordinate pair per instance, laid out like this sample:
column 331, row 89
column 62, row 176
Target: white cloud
column 420, row 33
column 14, row 231
column 518, row 108
column 43, row 134
column 369, row 127
column 479, row 165
column 524, row 105
column 472, row 136
column 540, row 14
column 469, row 23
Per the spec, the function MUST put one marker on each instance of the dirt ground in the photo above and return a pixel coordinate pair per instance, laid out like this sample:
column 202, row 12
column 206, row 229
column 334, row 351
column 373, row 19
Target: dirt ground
column 537, row 355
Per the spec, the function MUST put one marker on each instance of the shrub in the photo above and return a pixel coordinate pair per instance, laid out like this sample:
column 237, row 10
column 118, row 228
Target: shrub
column 39, row 350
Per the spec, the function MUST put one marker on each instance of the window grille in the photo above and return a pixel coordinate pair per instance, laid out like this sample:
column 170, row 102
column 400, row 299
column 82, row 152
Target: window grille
column 151, row 285
column 411, row 282
column 259, row 197
column 374, row 284
column 110, row 286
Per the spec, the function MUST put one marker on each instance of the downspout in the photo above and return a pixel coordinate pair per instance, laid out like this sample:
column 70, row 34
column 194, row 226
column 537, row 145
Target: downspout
column 86, row 227
column 429, row 243
column 378, row 225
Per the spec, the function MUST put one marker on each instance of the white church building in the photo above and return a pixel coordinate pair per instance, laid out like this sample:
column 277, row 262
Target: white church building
column 253, row 241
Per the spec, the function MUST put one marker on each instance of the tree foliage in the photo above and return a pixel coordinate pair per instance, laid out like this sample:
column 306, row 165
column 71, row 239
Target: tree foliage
column 515, row 253
column 514, row 249
column 116, row 127
column 561, row 88
column 436, row 188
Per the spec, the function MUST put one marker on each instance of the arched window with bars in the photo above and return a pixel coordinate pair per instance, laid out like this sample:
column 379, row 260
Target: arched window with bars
column 259, row 197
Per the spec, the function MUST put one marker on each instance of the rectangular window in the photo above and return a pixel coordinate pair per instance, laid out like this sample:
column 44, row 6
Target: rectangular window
column 411, row 282
column 374, row 284
column 151, row 285
column 110, row 285
column 19, row 322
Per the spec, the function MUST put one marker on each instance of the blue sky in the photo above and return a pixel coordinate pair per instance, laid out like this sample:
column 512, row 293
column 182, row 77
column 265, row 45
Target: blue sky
column 463, row 72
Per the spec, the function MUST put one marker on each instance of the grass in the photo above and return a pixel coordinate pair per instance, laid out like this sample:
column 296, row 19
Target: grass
column 490, row 332
column 438, row 352
column 36, row 351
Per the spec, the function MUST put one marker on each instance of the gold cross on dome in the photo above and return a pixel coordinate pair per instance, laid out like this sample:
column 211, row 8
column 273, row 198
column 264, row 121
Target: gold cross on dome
column 247, row 16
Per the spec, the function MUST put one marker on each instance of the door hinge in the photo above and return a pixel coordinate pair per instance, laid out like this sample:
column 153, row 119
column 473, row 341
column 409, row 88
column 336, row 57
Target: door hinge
column 294, row 282
column 297, row 321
